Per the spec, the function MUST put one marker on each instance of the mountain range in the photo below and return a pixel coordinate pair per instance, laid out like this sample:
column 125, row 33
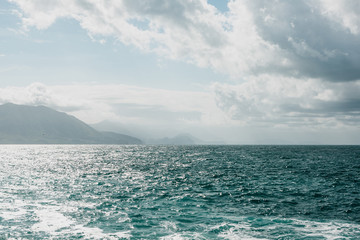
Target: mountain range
column 151, row 135
column 21, row 124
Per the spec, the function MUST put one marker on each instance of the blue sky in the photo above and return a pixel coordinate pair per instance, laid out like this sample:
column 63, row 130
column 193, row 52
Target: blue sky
column 71, row 56
column 234, row 71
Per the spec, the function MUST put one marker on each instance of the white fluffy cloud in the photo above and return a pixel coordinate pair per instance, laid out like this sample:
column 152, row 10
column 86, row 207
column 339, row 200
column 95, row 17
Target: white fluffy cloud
column 344, row 12
column 316, row 38
column 292, row 62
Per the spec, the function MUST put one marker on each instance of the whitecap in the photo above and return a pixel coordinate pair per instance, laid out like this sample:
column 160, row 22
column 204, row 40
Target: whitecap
column 51, row 221
column 54, row 223
column 183, row 236
column 248, row 228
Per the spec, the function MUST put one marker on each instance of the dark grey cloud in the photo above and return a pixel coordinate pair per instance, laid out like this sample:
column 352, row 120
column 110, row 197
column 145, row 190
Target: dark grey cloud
column 291, row 102
column 316, row 46
column 169, row 10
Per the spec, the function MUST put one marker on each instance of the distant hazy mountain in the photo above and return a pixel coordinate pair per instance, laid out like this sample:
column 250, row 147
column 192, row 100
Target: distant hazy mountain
column 181, row 139
column 28, row 124
column 151, row 135
column 108, row 126
column 146, row 135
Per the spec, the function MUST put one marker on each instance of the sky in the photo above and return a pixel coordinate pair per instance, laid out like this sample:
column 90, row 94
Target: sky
column 236, row 71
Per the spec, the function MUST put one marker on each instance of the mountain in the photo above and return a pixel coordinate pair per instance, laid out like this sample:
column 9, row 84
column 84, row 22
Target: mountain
column 41, row 125
column 148, row 134
column 181, row 139
column 108, row 126
column 153, row 135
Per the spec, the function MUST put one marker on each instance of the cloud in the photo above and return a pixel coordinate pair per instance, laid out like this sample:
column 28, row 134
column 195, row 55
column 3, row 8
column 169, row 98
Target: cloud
column 280, row 101
column 292, row 63
column 317, row 39
column 122, row 103
column 38, row 94
column 261, row 101
column 149, row 106
column 344, row 12
column 158, row 114
column 312, row 112
column 310, row 37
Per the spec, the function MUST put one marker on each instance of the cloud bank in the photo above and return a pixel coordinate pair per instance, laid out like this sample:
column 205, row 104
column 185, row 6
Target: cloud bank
column 269, row 101
column 118, row 102
column 317, row 38
column 292, row 63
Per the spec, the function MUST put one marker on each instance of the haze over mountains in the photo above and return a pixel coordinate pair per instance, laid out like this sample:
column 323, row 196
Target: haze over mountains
column 154, row 135
column 21, row 124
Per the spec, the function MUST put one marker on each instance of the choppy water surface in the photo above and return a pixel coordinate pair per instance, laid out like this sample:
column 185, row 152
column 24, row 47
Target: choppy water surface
column 179, row 192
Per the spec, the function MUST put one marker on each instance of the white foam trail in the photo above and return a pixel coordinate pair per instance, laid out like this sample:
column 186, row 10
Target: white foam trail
column 97, row 233
column 51, row 221
column 329, row 230
column 12, row 210
column 295, row 228
column 183, row 236
column 54, row 223
column 8, row 215
column 169, row 226
column 241, row 231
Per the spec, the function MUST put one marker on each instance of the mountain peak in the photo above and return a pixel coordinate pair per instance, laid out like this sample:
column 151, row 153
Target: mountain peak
column 40, row 124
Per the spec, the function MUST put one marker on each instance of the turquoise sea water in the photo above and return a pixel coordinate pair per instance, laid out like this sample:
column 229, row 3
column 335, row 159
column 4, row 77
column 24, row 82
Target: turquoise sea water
column 179, row 192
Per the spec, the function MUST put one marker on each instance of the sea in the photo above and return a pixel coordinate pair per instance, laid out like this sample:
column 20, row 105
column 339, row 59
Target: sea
column 179, row 192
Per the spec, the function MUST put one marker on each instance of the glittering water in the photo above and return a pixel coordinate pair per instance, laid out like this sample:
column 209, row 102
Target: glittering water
column 179, row 192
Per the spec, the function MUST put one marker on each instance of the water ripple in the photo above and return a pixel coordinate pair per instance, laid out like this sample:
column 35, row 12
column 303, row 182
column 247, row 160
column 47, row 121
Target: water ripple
column 179, row 192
